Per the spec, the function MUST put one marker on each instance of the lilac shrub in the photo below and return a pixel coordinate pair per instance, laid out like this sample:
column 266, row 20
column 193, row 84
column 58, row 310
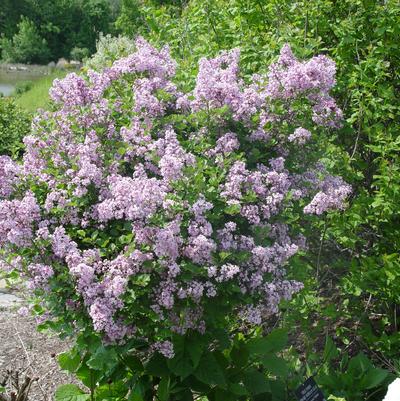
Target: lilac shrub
column 142, row 212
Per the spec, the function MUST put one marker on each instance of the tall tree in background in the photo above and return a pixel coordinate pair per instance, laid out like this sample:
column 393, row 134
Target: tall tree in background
column 64, row 24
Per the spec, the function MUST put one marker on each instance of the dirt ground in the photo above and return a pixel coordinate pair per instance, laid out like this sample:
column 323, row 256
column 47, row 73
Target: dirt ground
column 26, row 351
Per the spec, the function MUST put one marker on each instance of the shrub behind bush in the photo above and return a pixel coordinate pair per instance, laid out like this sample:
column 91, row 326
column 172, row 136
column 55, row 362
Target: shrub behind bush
column 14, row 125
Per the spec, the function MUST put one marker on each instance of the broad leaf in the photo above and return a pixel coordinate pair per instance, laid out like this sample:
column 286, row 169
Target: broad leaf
column 103, row 359
column 374, row 377
column 273, row 342
column 69, row 361
column 70, row 392
column 209, row 370
column 275, row 365
column 163, row 389
column 157, row 366
column 256, row 383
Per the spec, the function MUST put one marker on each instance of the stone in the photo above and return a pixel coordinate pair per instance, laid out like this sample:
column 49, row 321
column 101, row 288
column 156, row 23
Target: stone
column 8, row 300
column 62, row 63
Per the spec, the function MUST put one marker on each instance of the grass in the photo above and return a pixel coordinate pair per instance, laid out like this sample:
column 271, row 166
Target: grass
column 38, row 95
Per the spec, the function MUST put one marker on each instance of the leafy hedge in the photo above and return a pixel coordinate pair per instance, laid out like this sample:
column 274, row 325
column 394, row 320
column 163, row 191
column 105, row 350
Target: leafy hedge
column 14, row 125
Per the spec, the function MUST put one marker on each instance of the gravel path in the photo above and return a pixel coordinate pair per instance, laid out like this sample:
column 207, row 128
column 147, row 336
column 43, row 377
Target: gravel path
column 24, row 349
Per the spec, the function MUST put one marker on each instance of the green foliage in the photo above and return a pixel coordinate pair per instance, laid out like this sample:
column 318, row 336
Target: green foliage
column 58, row 27
column 14, row 125
column 22, row 87
column 79, row 53
column 10, row 15
column 232, row 373
column 70, row 392
column 26, row 46
column 109, row 49
column 248, row 368
column 356, row 379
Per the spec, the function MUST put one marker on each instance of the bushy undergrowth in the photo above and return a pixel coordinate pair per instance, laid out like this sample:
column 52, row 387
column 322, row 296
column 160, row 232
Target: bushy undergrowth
column 14, row 125
column 157, row 224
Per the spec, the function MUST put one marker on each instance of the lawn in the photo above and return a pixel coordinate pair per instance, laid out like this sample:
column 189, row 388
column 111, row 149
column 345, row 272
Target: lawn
column 38, row 95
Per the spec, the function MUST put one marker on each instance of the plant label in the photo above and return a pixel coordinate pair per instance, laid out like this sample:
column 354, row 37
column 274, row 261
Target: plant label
column 309, row 391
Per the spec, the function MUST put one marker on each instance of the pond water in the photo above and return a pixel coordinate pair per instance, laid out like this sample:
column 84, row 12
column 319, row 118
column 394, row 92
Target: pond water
column 8, row 79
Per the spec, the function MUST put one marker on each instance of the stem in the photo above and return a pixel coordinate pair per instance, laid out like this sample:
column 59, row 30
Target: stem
column 305, row 28
column 320, row 248
column 92, row 385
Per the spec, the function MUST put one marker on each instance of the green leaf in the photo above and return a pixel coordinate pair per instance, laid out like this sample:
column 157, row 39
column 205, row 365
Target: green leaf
column 2, row 389
column 223, row 395
column 330, row 350
column 279, row 390
column 163, row 389
column 195, row 344
column 222, row 338
column 69, row 361
column 103, row 359
column 157, row 366
column 256, row 383
column 239, row 355
column 86, row 375
column 133, row 363
column 181, row 364
column 237, row 388
column 70, row 392
column 111, row 391
column 209, row 371
column 374, row 377
column 184, row 395
column 232, row 209
column 274, row 342
column 135, row 397
column 275, row 365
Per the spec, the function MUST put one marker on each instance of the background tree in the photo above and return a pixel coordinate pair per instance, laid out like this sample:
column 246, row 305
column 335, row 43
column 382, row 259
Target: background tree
column 26, row 46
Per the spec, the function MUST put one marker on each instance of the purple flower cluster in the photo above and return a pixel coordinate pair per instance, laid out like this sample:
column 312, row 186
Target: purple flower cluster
column 218, row 84
column 17, row 220
column 39, row 275
column 290, row 78
column 334, row 192
column 148, row 203
column 9, row 171
column 300, row 136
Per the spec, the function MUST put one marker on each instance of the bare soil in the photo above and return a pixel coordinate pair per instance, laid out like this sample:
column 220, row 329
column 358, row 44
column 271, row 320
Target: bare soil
column 30, row 353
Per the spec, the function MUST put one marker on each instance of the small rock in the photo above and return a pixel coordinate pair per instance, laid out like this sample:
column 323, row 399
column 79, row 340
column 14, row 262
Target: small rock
column 62, row 63
column 52, row 64
column 8, row 300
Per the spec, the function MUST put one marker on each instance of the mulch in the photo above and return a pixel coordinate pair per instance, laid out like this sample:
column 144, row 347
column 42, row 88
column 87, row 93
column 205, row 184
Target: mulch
column 24, row 352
